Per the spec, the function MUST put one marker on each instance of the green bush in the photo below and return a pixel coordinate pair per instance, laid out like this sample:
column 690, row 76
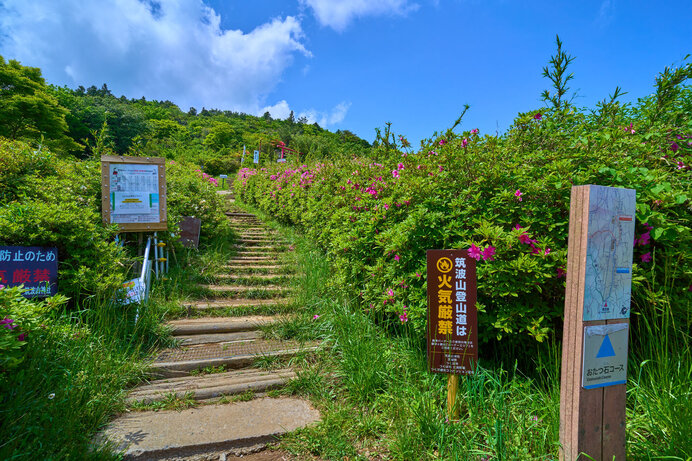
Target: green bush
column 508, row 196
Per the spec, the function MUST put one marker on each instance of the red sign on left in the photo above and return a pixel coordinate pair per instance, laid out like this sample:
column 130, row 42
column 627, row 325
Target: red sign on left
column 34, row 267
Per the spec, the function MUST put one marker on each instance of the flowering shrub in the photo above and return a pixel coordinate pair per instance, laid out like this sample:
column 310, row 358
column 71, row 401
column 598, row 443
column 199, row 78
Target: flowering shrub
column 18, row 318
column 504, row 198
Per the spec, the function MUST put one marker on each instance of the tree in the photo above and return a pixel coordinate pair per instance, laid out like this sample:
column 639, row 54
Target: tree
column 28, row 111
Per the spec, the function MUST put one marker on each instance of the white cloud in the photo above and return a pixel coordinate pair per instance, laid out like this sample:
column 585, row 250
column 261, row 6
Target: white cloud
column 337, row 14
column 162, row 49
column 606, row 13
column 325, row 119
column 280, row 110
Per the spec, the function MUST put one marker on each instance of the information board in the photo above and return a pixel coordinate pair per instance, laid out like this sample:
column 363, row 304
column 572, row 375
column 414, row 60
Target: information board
column 608, row 278
column 34, row 267
column 452, row 315
column 255, row 157
column 134, row 193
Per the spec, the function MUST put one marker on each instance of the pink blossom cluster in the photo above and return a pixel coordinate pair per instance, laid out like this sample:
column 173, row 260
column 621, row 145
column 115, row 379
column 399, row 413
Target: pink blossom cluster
column 643, row 240
column 487, row 253
column 527, row 240
column 210, row 179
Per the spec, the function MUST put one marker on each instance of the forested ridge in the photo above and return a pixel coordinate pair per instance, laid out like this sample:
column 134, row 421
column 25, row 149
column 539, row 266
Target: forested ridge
column 80, row 121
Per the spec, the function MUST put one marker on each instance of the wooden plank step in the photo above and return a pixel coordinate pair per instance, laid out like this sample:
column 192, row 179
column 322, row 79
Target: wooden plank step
column 237, row 354
column 218, row 324
column 210, row 386
column 226, row 303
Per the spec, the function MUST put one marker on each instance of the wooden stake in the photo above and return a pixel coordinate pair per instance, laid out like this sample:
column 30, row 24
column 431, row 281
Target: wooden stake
column 452, row 406
column 592, row 421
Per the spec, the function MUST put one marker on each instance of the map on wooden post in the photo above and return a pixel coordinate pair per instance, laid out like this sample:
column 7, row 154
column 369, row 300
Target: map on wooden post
column 608, row 280
column 452, row 316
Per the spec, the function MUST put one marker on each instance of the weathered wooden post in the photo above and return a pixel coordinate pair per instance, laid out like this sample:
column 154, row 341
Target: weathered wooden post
column 452, row 319
column 597, row 307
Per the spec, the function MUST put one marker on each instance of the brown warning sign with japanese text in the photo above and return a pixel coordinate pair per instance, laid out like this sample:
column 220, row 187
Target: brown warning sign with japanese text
column 452, row 315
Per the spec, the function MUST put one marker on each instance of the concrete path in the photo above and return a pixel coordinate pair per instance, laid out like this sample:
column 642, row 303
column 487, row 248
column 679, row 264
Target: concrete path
column 215, row 360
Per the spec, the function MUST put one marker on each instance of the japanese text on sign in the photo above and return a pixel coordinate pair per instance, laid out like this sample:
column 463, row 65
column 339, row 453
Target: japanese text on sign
column 452, row 331
column 34, row 267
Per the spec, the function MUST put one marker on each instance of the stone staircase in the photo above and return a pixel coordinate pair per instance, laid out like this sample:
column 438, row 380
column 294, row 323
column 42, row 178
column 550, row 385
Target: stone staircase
column 216, row 359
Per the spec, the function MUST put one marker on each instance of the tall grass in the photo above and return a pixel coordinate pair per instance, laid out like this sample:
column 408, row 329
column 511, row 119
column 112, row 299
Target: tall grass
column 72, row 380
column 378, row 399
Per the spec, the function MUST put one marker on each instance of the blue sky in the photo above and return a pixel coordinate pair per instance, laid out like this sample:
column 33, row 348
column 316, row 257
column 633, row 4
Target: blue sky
column 349, row 64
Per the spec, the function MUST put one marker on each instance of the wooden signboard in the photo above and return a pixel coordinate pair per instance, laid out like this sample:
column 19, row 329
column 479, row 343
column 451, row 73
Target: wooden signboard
column 133, row 191
column 597, row 306
column 452, row 316
column 189, row 231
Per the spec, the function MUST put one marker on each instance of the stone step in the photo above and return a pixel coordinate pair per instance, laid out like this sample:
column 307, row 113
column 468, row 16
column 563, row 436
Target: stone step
column 204, row 387
column 237, row 354
column 206, row 304
column 175, row 434
column 209, row 325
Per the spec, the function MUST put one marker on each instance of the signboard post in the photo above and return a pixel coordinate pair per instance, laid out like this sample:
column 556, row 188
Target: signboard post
column 34, row 267
column 597, row 308
column 255, row 157
column 452, row 318
column 134, row 193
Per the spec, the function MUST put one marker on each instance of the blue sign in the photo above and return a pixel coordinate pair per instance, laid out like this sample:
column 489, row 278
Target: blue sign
column 34, row 267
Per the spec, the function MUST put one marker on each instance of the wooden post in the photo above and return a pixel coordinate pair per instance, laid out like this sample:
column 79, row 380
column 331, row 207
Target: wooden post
column 592, row 421
column 452, row 406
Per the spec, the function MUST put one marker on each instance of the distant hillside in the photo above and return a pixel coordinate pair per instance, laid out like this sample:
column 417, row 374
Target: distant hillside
column 211, row 137
column 79, row 121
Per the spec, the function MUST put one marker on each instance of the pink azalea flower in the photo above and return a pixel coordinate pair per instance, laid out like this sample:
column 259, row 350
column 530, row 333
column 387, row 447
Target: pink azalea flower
column 395, row 173
column 403, row 317
column 525, row 239
column 315, row 317
column 474, row 131
column 418, row 275
column 464, row 142
column 442, row 142
column 475, row 252
column 441, row 169
column 630, row 129
column 396, row 257
column 489, row 253
column 518, row 193
column 538, row 116
column 644, row 239
column 400, row 166
column 390, row 292
column 646, row 257
column 674, row 146
column 21, row 337
column 547, row 251
column 561, row 272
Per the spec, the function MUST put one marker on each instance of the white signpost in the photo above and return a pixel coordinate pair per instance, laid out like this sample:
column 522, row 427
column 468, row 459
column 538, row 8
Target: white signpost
column 255, row 157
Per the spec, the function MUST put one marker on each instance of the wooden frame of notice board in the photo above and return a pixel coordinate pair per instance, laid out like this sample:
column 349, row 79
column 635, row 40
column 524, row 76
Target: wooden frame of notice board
column 133, row 193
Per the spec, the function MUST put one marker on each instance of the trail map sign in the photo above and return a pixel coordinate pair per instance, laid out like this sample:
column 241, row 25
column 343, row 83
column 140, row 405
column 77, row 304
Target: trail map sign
column 597, row 309
column 34, row 267
column 134, row 193
column 452, row 316
column 608, row 277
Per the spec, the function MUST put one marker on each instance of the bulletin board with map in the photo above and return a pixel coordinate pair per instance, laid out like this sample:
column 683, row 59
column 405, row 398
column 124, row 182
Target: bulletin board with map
column 134, row 193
